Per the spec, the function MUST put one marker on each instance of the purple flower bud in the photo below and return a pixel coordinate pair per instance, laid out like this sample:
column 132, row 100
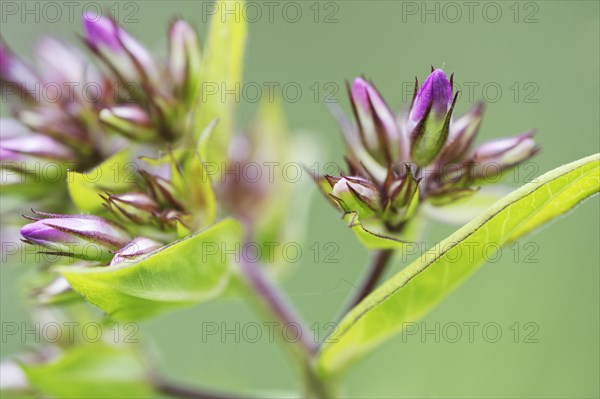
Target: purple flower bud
column 435, row 95
column 36, row 145
column 61, row 62
column 134, row 249
column 79, row 236
column 104, row 36
column 430, row 117
column 507, row 150
column 496, row 156
column 377, row 125
column 129, row 120
column 462, row 134
column 14, row 71
column 51, row 292
column 356, row 194
column 101, row 31
column 137, row 207
column 184, row 57
column 162, row 190
column 52, row 121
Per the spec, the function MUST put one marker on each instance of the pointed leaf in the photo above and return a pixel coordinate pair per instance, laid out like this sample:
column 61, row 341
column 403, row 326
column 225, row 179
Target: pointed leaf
column 370, row 237
column 189, row 271
column 92, row 370
column 463, row 210
column 222, row 68
column 413, row 292
column 115, row 175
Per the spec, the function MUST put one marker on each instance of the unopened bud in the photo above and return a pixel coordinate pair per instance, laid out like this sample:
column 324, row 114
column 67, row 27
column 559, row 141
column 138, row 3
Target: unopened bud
column 430, row 115
column 137, row 207
column 79, row 236
column 356, row 194
column 499, row 155
column 129, row 120
column 376, row 123
column 34, row 145
column 184, row 57
column 104, row 36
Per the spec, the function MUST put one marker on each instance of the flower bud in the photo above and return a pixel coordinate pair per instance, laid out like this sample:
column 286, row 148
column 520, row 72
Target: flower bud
column 403, row 200
column 163, row 191
column 128, row 56
column 14, row 72
column 496, row 156
column 462, row 134
column 54, row 290
column 377, row 126
column 52, row 121
column 184, row 58
column 355, row 194
column 137, row 207
column 134, row 249
column 78, row 236
column 129, row 120
column 60, row 62
column 35, row 145
column 430, row 115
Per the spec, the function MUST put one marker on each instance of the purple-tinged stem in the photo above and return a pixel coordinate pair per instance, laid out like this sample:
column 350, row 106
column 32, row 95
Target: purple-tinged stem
column 275, row 301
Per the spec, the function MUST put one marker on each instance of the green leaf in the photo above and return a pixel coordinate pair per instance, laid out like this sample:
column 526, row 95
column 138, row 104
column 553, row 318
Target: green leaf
column 463, row 210
column 414, row 291
column 189, row 271
column 92, row 371
column 370, row 237
column 222, row 68
column 114, row 175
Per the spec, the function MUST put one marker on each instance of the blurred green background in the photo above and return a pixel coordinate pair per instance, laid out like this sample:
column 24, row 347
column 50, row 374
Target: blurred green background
column 545, row 58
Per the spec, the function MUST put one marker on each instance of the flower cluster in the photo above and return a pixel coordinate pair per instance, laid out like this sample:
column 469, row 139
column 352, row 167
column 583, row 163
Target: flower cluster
column 119, row 100
column 396, row 162
column 147, row 116
column 76, row 111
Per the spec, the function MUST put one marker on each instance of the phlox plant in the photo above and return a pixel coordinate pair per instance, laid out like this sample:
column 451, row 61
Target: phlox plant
column 137, row 224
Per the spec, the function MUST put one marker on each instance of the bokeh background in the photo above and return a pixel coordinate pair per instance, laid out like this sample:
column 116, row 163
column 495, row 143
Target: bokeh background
column 543, row 56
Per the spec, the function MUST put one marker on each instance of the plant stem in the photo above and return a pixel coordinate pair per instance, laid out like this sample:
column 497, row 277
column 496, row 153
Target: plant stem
column 368, row 282
column 276, row 302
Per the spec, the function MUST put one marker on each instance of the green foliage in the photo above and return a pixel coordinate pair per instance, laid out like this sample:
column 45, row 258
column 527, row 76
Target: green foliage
column 369, row 237
column 413, row 292
column 92, row 371
column 222, row 67
column 114, row 175
column 189, row 271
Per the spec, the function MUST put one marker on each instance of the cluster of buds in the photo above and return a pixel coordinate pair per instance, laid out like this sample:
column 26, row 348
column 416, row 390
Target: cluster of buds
column 396, row 162
column 158, row 203
column 117, row 95
column 53, row 111
column 76, row 110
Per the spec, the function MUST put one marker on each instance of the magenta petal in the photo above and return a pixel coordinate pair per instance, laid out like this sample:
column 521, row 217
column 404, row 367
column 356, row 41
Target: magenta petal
column 100, row 30
column 37, row 145
column 39, row 233
column 359, row 93
column 436, row 92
